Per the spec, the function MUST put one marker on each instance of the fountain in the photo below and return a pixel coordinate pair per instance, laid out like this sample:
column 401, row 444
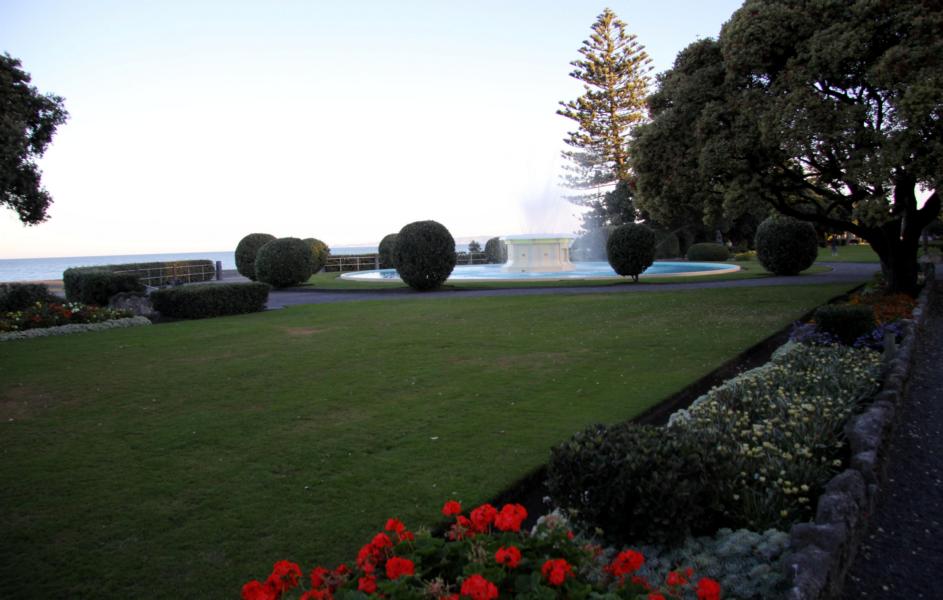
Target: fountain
column 538, row 253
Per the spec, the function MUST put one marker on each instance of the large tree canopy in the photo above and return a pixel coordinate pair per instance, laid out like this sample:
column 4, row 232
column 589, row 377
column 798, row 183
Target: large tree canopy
column 614, row 71
column 28, row 120
column 830, row 111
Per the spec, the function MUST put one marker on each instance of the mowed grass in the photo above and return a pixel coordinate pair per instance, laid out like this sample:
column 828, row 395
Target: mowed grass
column 183, row 459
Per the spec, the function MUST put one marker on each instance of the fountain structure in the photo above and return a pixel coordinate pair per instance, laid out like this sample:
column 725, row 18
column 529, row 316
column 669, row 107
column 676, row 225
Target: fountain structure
column 538, row 253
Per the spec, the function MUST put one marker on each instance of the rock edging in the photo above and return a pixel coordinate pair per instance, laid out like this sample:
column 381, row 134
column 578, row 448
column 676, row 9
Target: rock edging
column 822, row 551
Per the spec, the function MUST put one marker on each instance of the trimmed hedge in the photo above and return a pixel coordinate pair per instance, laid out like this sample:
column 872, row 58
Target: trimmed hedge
column 319, row 254
column 210, row 300
column 786, row 246
column 424, row 255
column 847, row 322
column 387, row 245
column 708, row 251
column 284, row 262
column 630, row 249
column 96, row 285
column 17, row 296
column 246, row 251
column 638, row 482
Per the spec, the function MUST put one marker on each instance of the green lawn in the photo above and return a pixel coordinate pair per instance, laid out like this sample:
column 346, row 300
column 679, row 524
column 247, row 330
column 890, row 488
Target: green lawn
column 183, row 459
column 850, row 253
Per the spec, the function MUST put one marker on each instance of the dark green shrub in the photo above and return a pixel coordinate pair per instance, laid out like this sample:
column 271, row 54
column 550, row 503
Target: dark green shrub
column 630, row 249
column 247, row 250
column 496, row 251
column 667, row 244
column 708, row 252
column 424, row 255
column 319, row 254
column 96, row 285
column 786, row 246
column 637, row 482
column 283, row 262
column 17, row 296
column 210, row 300
column 387, row 245
column 474, row 246
column 848, row 322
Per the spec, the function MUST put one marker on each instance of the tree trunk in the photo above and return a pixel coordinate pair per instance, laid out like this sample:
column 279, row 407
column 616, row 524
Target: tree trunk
column 900, row 268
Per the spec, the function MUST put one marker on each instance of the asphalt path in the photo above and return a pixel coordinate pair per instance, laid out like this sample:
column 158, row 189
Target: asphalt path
column 849, row 273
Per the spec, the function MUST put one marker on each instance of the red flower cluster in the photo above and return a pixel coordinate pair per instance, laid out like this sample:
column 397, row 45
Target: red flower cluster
column 481, row 519
column 477, row 587
column 509, row 556
column 708, row 589
column 556, row 570
column 284, row 577
column 397, row 567
column 510, row 518
column 402, row 534
column 626, row 563
column 452, row 508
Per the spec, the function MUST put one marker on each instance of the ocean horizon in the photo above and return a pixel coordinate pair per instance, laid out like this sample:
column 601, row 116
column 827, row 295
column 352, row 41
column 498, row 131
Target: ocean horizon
column 44, row 269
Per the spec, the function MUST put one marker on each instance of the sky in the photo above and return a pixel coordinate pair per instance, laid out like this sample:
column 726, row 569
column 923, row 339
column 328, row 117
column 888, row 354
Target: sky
column 194, row 123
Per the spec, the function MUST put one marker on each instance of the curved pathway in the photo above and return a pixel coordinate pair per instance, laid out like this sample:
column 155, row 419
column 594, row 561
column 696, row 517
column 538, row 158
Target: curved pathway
column 850, row 273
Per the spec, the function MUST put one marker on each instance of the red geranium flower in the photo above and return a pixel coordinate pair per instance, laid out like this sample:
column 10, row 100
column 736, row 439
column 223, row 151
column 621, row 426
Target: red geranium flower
column 259, row 591
column 477, row 587
column 510, row 556
column 317, row 595
column 676, row 579
column 626, row 563
column 381, row 541
column 482, row 517
column 367, row 584
column 452, row 508
column 654, row 596
column 285, row 576
column 556, row 570
column 708, row 589
column 368, row 558
column 396, row 567
column 641, row 581
column 401, row 532
column 510, row 517
column 317, row 577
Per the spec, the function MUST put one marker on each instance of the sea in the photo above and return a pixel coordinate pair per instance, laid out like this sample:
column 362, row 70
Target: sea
column 41, row 269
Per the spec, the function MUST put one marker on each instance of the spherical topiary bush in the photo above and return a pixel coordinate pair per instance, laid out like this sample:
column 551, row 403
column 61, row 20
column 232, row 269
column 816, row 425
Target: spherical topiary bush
column 319, row 253
column 786, row 246
column 708, row 251
column 246, row 251
column 496, row 251
column 630, row 249
column 424, row 255
column 284, row 262
column 387, row 244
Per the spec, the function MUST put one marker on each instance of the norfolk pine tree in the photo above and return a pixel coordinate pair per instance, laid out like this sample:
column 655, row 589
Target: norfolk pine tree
column 614, row 70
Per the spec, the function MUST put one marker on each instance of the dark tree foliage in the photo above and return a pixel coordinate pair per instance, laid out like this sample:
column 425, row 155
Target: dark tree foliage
column 630, row 250
column 614, row 71
column 830, row 112
column 474, row 246
column 616, row 207
column 28, row 120
column 424, row 255
column 496, row 251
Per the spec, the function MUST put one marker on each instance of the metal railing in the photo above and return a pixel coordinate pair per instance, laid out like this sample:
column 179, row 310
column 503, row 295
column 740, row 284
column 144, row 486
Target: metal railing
column 344, row 263
column 173, row 274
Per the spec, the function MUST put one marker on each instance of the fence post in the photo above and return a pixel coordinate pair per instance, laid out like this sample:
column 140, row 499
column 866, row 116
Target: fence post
column 219, row 270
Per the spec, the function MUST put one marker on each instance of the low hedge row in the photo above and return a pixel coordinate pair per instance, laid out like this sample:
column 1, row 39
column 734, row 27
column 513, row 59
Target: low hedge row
column 17, row 296
column 210, row 300
column 95, row 285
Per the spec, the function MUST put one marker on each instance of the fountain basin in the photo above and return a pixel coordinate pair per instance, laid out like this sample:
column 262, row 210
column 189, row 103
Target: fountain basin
column 538, row 253
column 581, row 270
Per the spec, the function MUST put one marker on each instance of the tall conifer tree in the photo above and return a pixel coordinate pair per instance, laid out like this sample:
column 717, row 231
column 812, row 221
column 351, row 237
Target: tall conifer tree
column 614, row 70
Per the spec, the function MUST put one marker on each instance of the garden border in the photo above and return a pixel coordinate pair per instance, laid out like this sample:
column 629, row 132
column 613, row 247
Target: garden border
column 822, row 551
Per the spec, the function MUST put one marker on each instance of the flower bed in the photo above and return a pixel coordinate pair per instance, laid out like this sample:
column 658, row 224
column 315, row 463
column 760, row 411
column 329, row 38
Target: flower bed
column 53, row 314
column 483, row 556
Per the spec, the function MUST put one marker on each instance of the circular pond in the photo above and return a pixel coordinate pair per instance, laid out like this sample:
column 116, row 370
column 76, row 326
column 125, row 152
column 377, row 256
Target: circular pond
column 580, row 270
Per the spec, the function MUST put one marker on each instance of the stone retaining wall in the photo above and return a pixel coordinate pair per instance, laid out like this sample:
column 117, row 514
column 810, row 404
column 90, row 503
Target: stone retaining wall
column 822, row 551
